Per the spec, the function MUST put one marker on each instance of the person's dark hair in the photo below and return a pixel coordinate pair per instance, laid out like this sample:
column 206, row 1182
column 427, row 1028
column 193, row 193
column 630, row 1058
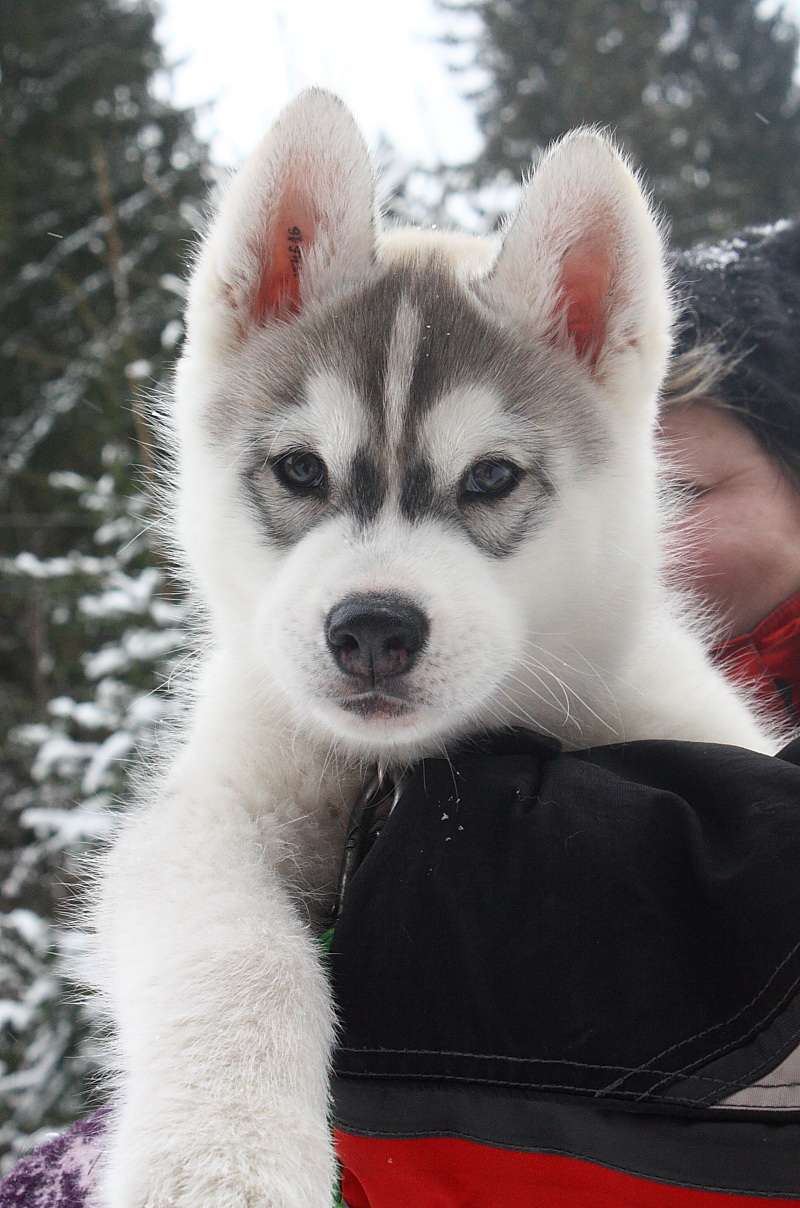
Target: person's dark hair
column 738, row 339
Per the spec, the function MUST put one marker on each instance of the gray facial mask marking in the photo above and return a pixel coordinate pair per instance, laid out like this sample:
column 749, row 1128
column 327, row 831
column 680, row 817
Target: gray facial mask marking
column 366, row 488
column 459, row 343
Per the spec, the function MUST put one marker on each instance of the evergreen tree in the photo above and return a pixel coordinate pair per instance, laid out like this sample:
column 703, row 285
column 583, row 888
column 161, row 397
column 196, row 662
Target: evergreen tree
column 702, row 92
column 98, row 200
column 110, row 604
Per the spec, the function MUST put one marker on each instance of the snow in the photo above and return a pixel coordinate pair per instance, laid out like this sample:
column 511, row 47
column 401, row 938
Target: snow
column 717, row 255
column 54, row 568
column 108, row 660
column 609, row 41
column 22, row 437
column 169, row 612
column 59, row 756
column 126, row 594
column 772, row 228
column 677, row 33
column 30, row 926
column 146, row 710
column 138, row 370
column 173, row 284
column 68, row 480
column 172, row 334
column 149, row 644
column 75, row 240
column 115, row 530
column 86, row 714
column 69, row 827
column 726, row 252
column 101, row 769
column 14, row 1015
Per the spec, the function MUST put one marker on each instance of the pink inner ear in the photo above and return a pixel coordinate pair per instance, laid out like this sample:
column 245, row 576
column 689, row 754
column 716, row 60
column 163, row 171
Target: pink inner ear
column 281, row 256
column 585, row 285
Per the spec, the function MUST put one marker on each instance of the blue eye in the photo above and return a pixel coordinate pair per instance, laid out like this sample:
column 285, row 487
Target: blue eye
column 301, row 471
column 490, row 478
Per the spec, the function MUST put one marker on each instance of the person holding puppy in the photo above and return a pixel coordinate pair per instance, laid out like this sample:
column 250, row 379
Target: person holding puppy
column 731, row 424
column 565, row 970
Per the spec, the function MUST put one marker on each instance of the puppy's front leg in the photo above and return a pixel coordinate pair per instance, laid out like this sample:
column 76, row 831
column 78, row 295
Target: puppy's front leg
column 222, row 1011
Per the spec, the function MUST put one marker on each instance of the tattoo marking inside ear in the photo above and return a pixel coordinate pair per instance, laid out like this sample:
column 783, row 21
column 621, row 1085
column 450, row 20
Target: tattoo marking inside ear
column 295, row 249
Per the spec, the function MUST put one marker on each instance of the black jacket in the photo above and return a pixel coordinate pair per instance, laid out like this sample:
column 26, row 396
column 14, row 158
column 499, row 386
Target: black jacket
column 591, row 956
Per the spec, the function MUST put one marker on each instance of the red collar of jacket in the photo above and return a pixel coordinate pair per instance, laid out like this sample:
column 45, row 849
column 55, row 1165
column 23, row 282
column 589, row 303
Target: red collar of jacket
column 768, row 658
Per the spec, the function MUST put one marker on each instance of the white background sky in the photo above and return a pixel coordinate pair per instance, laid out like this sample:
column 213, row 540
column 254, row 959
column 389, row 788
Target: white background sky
column 250, row 56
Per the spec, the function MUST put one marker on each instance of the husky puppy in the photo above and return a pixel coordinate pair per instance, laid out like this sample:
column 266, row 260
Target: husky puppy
column 417, row 496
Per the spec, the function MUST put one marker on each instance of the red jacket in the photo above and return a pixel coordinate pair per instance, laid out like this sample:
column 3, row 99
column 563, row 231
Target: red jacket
column 768, row 657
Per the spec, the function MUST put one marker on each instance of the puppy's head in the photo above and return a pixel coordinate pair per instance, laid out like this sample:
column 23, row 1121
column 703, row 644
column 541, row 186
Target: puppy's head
column 406, row 460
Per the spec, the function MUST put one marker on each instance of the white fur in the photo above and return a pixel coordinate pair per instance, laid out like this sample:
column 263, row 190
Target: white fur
column 205, row 957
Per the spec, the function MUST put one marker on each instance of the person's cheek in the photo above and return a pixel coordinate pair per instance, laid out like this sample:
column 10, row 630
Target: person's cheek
column 714, row 541
column 728, row 551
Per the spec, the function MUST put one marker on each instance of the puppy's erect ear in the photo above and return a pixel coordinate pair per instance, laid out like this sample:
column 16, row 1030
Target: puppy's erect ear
column 296, row 223
column 582, row 265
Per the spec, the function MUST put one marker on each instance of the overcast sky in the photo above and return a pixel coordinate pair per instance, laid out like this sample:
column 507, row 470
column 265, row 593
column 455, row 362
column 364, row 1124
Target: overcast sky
column 250, row 57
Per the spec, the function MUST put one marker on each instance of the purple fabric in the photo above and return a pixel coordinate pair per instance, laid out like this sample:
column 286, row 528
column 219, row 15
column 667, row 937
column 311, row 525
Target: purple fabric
column 60, row 1173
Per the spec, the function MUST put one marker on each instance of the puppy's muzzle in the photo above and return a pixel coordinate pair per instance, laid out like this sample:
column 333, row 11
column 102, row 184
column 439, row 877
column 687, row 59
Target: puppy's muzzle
column 374, row 638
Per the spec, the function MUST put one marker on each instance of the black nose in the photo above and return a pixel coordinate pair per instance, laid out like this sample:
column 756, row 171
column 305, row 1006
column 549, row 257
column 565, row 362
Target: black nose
column 373, row 637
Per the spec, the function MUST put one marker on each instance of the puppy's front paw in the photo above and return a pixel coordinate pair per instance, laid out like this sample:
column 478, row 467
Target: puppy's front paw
column 288, row 1163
